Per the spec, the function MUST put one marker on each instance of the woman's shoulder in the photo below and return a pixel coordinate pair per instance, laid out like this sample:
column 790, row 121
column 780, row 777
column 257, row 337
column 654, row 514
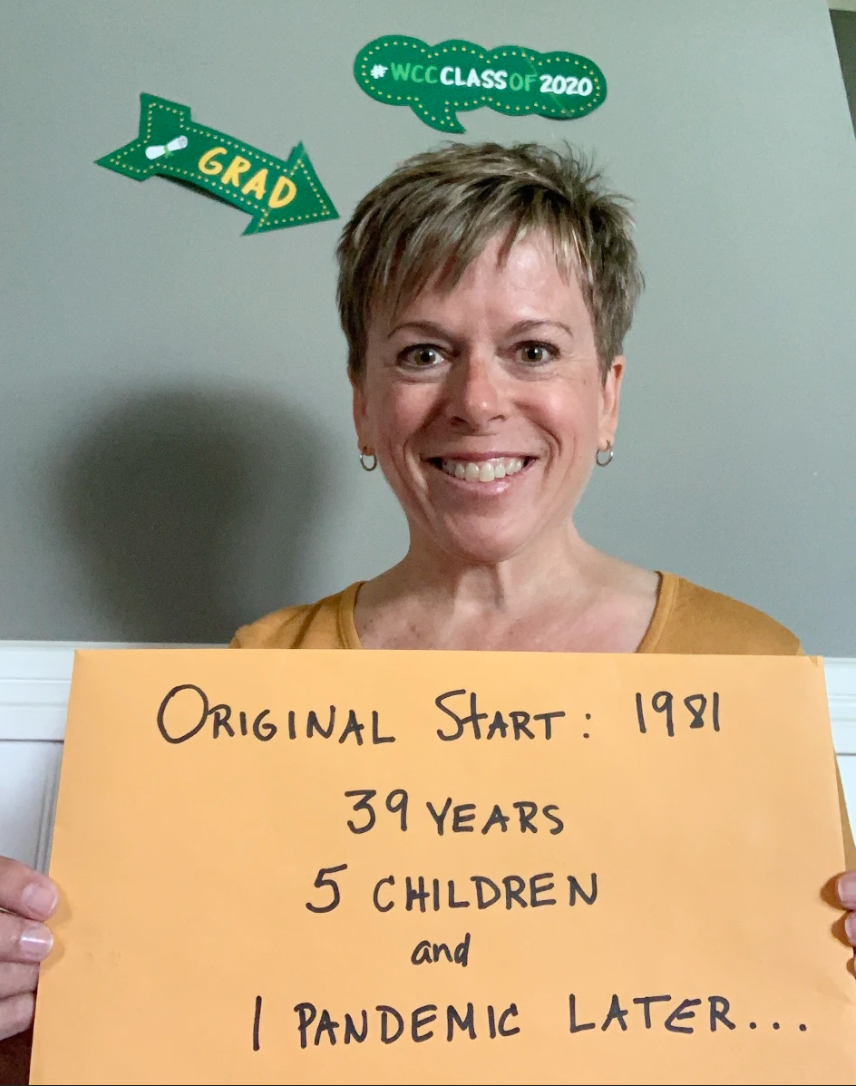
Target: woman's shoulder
column 327, row 624
column 692, row 619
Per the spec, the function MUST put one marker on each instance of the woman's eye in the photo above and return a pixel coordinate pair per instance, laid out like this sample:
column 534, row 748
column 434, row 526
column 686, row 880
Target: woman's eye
column 535, row 353
column 422, row 357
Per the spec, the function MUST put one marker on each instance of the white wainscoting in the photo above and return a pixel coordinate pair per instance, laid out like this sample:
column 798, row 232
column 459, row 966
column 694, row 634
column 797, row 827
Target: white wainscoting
column 34, row 684
column 35, row 677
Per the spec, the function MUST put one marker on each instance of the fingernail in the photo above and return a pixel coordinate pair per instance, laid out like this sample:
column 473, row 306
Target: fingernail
column 847, row 888
column 35, row 942
column 39, row 898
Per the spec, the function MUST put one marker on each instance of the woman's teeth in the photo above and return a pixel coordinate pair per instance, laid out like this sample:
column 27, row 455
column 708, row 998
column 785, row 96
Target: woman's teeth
column 483, row 471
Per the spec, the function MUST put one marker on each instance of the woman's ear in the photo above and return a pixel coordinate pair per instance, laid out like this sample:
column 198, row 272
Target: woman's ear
column 361, row 425
column 610, row 394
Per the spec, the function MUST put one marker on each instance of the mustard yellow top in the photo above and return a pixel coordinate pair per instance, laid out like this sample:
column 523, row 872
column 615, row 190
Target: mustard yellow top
column 686, row 619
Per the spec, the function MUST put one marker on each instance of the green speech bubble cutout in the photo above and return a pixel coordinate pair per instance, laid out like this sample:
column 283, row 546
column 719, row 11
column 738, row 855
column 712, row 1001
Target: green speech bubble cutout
column 439, row 82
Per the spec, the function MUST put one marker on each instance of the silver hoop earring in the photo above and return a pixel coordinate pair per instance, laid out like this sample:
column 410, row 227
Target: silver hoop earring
column 365, row 456
column 609, row 451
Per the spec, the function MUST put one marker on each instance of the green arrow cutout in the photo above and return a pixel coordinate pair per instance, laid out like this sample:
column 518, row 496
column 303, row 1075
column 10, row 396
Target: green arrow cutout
column 276, row 193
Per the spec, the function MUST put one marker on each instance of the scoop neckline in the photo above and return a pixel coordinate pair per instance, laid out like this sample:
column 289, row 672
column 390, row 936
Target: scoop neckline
column 666, row 594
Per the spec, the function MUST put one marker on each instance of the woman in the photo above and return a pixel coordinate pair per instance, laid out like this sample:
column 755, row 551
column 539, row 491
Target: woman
column 485, row 293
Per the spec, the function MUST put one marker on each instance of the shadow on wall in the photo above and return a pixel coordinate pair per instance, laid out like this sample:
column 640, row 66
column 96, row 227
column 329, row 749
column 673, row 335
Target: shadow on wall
column 191, row 512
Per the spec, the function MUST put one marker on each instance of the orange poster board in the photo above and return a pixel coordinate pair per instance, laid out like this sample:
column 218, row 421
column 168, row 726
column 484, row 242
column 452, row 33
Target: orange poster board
column 437, row 867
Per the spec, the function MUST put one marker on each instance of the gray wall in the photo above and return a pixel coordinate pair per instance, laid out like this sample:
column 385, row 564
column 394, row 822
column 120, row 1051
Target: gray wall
column 176, row 453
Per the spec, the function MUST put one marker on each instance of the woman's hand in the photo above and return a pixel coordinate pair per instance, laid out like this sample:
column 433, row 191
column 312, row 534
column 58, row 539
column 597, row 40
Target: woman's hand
column 28, row 898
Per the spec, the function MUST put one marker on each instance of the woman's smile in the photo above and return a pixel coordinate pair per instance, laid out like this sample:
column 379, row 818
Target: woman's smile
column 483, row 468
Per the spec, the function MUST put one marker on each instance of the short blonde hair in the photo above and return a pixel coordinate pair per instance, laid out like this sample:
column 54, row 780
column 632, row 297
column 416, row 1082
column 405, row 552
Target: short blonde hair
column 438, row 210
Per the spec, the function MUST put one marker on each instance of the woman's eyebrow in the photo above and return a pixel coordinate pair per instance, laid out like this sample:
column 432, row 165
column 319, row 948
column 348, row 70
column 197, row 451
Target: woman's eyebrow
column 428, row 327
column 528, row 326
column 431, row 328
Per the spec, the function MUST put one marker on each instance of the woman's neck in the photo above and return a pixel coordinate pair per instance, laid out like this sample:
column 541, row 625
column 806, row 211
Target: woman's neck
column 558, row 564
column 542, row 597
column 561, row 595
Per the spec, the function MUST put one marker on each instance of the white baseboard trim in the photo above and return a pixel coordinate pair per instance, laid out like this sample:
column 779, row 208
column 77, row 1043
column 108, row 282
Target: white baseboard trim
column 841, row 691
column 35, row 678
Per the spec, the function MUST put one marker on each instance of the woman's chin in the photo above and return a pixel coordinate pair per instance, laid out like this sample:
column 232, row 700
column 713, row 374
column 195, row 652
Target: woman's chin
column 482, row 544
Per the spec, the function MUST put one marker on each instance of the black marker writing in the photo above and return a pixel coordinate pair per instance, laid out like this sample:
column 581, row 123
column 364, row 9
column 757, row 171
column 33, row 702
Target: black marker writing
column 416, row 893
column 391, row 1025
column 257, row 1020
column 428, row 953
column 520, row 724
column 669, row 1018
column 186, row 710
column 695, row 706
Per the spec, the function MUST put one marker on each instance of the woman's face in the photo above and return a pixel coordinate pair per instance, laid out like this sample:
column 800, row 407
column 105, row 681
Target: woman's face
column 485, row 405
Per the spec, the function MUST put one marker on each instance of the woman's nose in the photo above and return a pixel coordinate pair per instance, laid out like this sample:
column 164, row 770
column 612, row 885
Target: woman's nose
column 476, row 395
